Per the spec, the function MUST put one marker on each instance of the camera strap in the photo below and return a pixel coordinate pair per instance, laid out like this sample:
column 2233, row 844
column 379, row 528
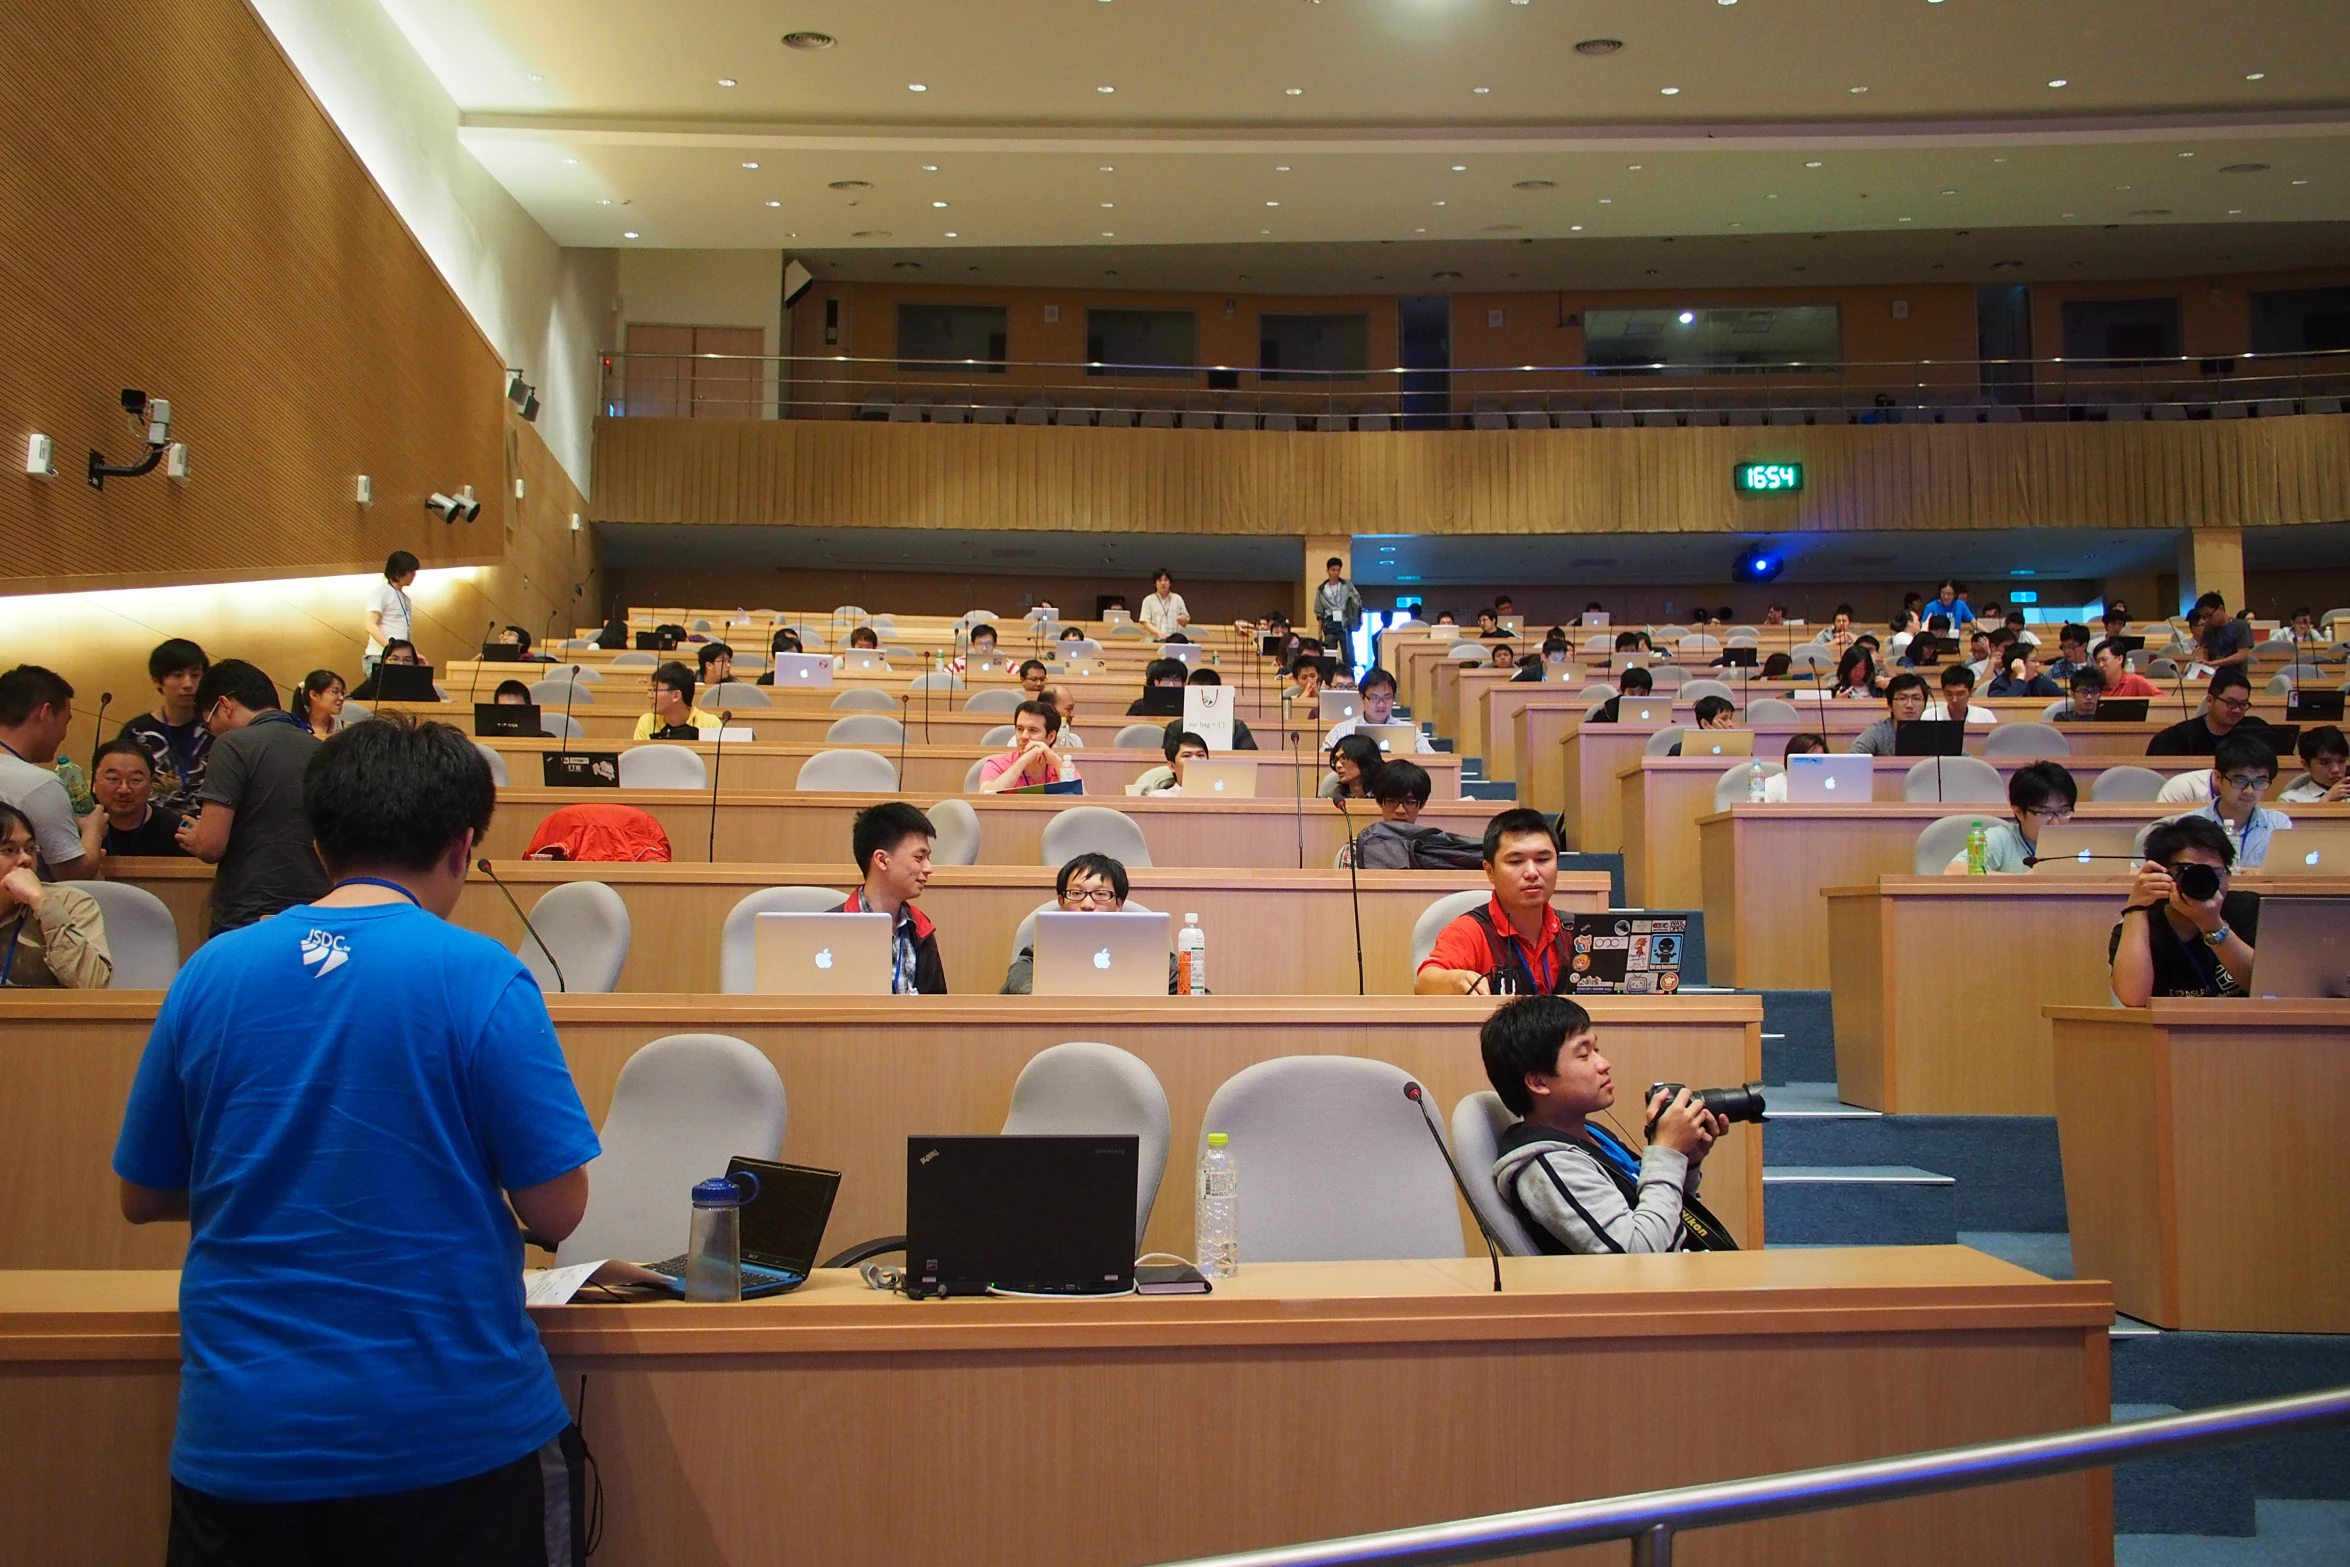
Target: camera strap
column 1700, row 1230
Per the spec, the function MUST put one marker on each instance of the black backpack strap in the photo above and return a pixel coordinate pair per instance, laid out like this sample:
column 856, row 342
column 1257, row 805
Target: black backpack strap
column 1581, row 1212
column 1503, row 952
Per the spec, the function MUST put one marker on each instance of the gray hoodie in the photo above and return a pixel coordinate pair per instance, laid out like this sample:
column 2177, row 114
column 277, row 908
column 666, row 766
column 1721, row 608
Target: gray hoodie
column 1589, row 1216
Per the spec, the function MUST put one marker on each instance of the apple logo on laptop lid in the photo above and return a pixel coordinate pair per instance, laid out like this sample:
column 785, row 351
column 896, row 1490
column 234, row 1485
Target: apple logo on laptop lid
column 1101, row 959
column 824, row 957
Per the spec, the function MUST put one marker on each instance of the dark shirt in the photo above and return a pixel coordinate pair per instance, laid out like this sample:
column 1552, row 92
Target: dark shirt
column 153, row 837
column 1527, row 671
column 2222, row 638
column 175, row 754
column 1606, row 712
column 2190, row 967
column 2192, row 737
column 2038, row 685
column 257, row 772
column 677, row 732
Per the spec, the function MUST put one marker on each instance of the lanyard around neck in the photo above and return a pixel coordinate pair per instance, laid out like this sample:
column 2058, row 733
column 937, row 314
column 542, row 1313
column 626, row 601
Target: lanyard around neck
column 8, row 963
column 375, row 881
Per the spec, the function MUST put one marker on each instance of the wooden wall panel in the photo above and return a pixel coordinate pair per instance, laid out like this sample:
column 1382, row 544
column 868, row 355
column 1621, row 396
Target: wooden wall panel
column 177, row 213
column 2235, row 473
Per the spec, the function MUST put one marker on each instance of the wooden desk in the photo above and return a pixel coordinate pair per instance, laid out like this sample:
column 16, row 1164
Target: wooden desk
column 862, row 1075
column 1300, row 1401
column 805, row 725
column 676, row 912
column 2204, row 1162
column 813, row 829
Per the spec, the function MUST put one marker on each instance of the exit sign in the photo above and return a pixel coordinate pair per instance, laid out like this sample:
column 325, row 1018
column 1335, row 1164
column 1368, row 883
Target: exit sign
column 1767, row 478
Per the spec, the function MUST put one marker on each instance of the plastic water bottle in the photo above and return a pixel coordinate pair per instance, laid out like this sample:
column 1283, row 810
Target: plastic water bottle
column 1216, row 1223
column 714, row 1244
column 1191, row 958
column 1754, row 783
column 1977, row 848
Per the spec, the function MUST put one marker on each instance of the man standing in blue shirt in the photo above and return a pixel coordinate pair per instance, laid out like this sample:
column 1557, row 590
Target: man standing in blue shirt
column 343, row 1099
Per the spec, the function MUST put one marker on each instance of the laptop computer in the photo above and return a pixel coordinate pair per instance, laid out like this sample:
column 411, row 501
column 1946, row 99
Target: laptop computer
column 1065, row 786
column 1220, row 778
column 864, row 659
column 506, row 718
column 782, row 1226
column 1819, row 778
column 803, row 669
column 2121, row 710
column 837, row 954
column 1122, row 954
column 1929, row 737
column 1188, row 654
column 2088, row 849
column 1718, row 742
column 1397, row 739
column 2313, row 707
column 1595, row 618
column 1651, row 709
column 2284, row 739
column 502, row 653
column 404, row 683
column 1741, row 658
column 1025, row 1215
column 2304, row 949
column 1158, row 702
column 1339, row 706
column 2312, row 848
column 1627, row 660
column 1117, row 617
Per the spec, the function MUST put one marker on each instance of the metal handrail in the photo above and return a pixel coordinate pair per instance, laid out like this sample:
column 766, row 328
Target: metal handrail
column 1650, row 1519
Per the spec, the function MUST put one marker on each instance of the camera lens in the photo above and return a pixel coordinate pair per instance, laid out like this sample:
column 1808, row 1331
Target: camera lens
column 1735, row 1104
column 2199, row 882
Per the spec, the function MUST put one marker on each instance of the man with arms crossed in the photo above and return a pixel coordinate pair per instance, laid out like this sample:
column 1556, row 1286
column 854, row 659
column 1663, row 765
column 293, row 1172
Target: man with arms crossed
column 1032, row 760
column 1512, row 945
column 343, row 1100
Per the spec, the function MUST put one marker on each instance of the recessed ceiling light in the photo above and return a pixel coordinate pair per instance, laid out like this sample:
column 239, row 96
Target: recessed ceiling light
column 603, row 201
column 750, row 165
column 1105, row 89
column 1688, row 318
column 1634, row 167
column 1737, row 225
column 1280, row 168
column 930, row 168
column 1599, row 46
column 2064, row 214
column 1856, row 89
column 1108, row 205
column 1272, row 204
column 808, row 40
column 917, row 87
column 2235, row 212
column 951, row 234
column 1998, row 160
column 1670, row 92
column 2255, row 76
column 1607, row 201
column 1950, row 193
column 1436, row 204
column 1107, row 234
column 536, row 77
column 570, row 160
column 1419, row 231
column 775, row 204
column 1904, row 220
column 1264, row 231
column 938, row 203
column 1460, row 168
column 2301, row 182
column 1575, row 227
column 726, row 81
column 1771, row 196
column 1813, row 164
column 1480, row 89
column 628, row 234
column 1294, row 92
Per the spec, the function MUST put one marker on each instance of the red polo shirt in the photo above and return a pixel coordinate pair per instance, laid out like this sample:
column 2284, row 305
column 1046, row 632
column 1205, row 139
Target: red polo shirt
column 1464, row 945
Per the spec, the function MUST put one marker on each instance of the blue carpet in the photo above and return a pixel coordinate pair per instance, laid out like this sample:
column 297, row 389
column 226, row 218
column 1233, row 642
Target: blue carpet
column 2292, row 1534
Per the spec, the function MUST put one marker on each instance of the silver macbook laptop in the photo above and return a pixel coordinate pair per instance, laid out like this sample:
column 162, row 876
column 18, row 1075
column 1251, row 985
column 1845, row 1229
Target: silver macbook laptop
column 2088, row 849
column 2312, row 848
column 864, row 659
column 821, row 954
column 1221, row 778
column 1122, row 954
column 2304, row 948
column 1339, row 706
column 1398, row 739
column 1817, row 778
column 802, row 669
column 1188, row 654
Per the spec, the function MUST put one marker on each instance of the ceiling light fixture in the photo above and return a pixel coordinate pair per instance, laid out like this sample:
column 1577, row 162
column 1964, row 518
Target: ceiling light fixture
column 951, row 234
column 2255, row 76
column 1480, row 89
column 726, row 81
column 1436, row 204
column 808, row 40
column 930, row 168
column 1634, row 167
column 2059, row 81
column 1106, row 169
column 1670, row 92
column 1813, row 164
column 1280, row 168
column 775, row 204
column 603, row 201
column 1108, row 205
column 1460, row 168
column 1105, row 89
column 570, row 160
column 1599, row 46
column 629, row 234
column 750, row 165
column 1106, row 234
column 1856, row 89
column 2301, row 182
column 1576, row 228
column 917, row 87
column 938, row 203
column 1295, row 92
column 1272, row 204
column 1688, row 318
column 536, row 77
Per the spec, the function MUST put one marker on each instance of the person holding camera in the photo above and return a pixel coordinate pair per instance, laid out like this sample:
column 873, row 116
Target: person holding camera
column 1577, row 1188
column 2183, row 933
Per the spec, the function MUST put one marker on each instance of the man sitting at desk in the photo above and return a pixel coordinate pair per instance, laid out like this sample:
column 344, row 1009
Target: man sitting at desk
column 1905, row 703
column 1032, row 761
column 2020, row 674
column 1713, row 712
column 1513, row 945
column 1033, row 675
column 52, row 934
column 397, row 651
column 2113, row 667
column 1633, row 682
column 892, row 844
column 2229, row 792
column 1088, row 884
column 1578, row 1189
column 673, row 715
column 1958, row 692
column 2040, row 795
column 1161, row 674
column 1181, row 746
column 2183, row 933
column 717, row 663
column 1377, row 689
column 2327, row 757
column 2227, row 702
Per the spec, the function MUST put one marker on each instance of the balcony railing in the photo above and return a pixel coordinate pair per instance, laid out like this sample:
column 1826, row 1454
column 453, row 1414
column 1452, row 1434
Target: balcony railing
column 1035, row 392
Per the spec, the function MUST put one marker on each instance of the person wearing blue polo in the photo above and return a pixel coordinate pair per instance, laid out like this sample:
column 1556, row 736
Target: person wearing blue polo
column 351, row 1102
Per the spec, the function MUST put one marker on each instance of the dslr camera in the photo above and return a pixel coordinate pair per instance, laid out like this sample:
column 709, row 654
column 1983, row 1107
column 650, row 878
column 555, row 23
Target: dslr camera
column 1733, row 1104
column 2197, row 881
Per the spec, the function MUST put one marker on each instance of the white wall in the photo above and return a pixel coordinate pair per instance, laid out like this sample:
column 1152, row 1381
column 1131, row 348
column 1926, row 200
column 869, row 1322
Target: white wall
column 702, row 288
column 545, row 308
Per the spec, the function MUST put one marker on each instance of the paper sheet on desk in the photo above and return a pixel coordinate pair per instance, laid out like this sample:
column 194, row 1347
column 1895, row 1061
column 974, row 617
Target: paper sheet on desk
column 555, row 1286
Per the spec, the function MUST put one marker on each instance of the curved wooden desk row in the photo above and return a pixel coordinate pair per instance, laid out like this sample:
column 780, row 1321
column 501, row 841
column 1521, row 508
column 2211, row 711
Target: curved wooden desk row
column 813, row 829
column 1298, row 1402
column 803, row 723
column 1277, row 933
column 942, row 769
column 1940, row 983
column 861, row 1076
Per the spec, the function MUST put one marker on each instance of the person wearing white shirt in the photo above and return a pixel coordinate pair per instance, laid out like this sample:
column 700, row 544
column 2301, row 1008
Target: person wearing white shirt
column 390, row 617
column 1164, row 610
column 1377, row 689
column 2242, row 768
column 1958, row 690
column 2327, row 756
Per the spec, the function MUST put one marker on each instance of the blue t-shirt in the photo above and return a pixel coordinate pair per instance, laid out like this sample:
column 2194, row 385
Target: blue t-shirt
column 344, row 1093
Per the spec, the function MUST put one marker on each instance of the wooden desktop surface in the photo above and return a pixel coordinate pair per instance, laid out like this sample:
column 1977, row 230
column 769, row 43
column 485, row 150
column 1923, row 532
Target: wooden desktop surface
column 861, row 1075
column 813, row 828
column 2204, row 1161
column 676, row 912
column 1298, row 1402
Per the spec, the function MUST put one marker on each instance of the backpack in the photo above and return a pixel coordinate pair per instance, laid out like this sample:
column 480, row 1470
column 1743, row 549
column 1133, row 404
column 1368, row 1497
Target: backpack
column 1434, row 849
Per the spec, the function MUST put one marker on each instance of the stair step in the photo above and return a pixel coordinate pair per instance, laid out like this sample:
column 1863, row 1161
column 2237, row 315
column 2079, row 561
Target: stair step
column 1858, row 1205
column 1486, row 789
column 1810, row 1102
column 2209, row 1492
column 2007, row 1167
column 2198, row 1370
column 1799, row 1037
column 2050, row 1256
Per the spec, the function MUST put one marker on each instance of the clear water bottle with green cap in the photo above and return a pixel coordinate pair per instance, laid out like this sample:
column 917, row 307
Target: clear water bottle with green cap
column 1978, row 845
column 1216, row 1220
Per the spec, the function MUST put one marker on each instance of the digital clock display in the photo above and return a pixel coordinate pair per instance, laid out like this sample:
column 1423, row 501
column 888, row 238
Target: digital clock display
column 1767, row 478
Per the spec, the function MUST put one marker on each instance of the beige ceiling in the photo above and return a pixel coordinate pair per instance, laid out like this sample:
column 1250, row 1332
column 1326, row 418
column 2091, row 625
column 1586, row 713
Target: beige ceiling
column 626, row 127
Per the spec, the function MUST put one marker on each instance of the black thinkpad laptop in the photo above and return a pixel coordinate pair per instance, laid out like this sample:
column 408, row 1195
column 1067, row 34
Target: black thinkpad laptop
column 1929, row 737
column 1020, row 1215
column 2313, row 707
column 2122, row 710
column 782, row 1226
column 405, row 683
column 506, row 718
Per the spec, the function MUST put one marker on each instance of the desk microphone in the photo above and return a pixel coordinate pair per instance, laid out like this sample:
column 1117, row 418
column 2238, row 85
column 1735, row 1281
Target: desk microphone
column 1297, row 784
column 717, row 756
column 489, row 634
column 526, row 924
column 905, row 711
column 1354, row 886
column 104, row 697
column 1419, row 1096
column 570, row 692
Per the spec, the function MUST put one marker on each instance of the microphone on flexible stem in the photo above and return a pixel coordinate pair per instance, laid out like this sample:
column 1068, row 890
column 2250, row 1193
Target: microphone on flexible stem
column 570, row 692
column 1297, row 781
column 1419, row 1096
column 526, row 924
column 717, row 755
column 1354, row 886
column 905, row 704
column 104, row 697
column 486, row 637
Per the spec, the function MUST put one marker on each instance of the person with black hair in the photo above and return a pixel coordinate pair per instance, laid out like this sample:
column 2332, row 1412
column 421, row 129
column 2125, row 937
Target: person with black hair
column 863, row 639
column 398, row 651
column 1924, row 651
column 2183, row 932
column 2301, row 627
column 1805, row 744
column 670, row 712
column 52, row 934
column 1490, row 628
column 716, row 663
column 175, row 741
column 1905, row 703
column 2073, row 644
column 1160, row 673
column 307, row 1076
column 2088, row 690
column 1633, row 682
column 253, row 825
column 2020, row 674
column 1579, row 1189
column 1163, row 611
column 127, row 821
column 1529, row 670
column 1856, row 675
column 2241, row 770
column 2040, row 795
column 1242, row 740
column 1631, row 640
column 2326, row 755
column 1513, row 945
column 2223, row 640
column 785, row 640
column 390, row 617
column 1505, row 656
column 1033, row 759
column 1956, row 706
column 1397, row 841
column 1338, row 607
column 1778, row 666
column 1950, row 601
column 1307, row 672
column 1180, row 746
column 1838, row 634
column 1354, row 764
column 1088, row 884
column 892, row 843
column 318, row 702
column 511, row 693
column 2227, row 702
column 1711, row 712
column 36, row 712
column 2113, row 668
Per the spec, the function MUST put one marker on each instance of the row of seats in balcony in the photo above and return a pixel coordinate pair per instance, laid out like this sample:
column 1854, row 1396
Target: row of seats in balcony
column 2131, row 410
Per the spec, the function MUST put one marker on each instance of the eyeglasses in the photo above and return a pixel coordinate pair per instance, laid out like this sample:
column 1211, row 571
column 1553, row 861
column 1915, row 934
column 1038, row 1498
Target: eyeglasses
column 1090, row 897
column 2234, row 704
column 2052, row 815
column 2242, row 781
